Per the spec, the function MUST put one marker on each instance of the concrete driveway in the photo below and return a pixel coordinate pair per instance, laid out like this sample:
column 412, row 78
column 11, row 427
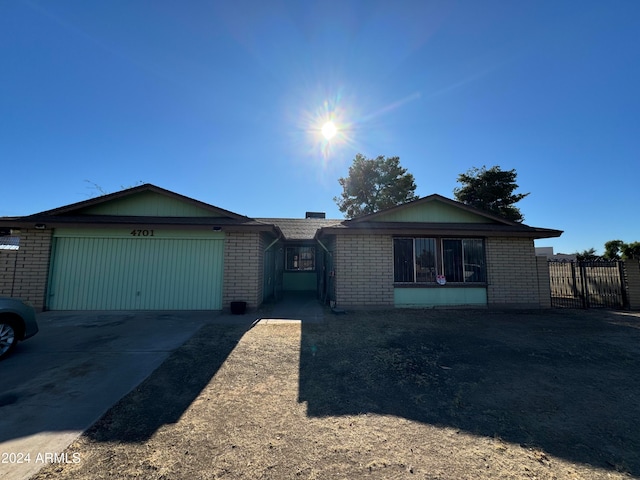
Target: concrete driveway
column 61, row 381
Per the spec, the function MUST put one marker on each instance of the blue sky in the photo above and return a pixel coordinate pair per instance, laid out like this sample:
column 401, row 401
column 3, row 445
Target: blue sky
column 223, row 102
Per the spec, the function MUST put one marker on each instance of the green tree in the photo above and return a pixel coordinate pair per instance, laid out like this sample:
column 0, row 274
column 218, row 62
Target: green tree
column 631, row 251
column 585, row 255
column 617, row 250
column 613, row 249
column 373, row 185
column 491, row 190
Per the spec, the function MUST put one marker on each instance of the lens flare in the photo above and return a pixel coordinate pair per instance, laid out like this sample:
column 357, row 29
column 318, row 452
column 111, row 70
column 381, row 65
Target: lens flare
column 329, row 130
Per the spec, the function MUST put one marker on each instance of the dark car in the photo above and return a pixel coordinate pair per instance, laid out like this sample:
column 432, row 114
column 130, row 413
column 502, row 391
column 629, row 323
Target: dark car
column 17, row 323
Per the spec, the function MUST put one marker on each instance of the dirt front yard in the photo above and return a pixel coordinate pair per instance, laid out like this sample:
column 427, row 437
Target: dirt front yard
column 387, row 394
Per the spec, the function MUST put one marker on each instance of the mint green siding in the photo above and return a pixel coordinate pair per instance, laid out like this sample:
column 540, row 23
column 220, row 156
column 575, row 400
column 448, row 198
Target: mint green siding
column 434, row 211
column 113, row 270
column 149, row 204
column 441, row 296
column 127, row 232
column 307, row 281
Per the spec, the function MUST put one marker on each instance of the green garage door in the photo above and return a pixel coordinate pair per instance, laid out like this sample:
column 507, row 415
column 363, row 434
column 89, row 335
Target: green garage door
column 136, row 270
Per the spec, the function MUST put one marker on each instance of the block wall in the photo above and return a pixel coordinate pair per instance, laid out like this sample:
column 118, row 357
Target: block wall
column 544, row 282
column 364, row 270
column 512, row 273
column 243, row 268
column 632, row 270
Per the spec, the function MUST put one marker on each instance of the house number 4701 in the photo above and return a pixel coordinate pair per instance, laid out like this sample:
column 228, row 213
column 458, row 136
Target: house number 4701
column 142, row 233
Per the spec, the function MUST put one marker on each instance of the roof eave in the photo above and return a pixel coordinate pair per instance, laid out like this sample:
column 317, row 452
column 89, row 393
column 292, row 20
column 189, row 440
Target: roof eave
column 529, row 232
column 201, row 223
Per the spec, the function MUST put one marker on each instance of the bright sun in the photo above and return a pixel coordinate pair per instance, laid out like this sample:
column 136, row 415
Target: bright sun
column 329, row 130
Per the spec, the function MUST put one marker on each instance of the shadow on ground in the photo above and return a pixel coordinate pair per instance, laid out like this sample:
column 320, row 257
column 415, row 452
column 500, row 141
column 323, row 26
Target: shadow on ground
column 563, row 382
column 164, row 397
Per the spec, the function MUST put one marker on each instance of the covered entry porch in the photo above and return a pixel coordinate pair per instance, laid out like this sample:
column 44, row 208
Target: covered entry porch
column 296, row 264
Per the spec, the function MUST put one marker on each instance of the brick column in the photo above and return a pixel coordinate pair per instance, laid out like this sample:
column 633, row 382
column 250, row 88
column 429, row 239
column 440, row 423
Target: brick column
column 32, row 266
column 544, row 282
column 243, row 269
column 632, row 269
column 512, row 276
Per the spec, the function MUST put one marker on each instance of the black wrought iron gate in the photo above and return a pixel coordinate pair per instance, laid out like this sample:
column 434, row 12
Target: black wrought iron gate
column 587, row 284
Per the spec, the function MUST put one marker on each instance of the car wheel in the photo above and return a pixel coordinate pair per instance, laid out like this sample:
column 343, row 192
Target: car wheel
column 8, row 338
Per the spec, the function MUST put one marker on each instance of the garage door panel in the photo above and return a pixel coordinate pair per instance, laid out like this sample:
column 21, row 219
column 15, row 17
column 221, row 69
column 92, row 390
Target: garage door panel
column 136, row 274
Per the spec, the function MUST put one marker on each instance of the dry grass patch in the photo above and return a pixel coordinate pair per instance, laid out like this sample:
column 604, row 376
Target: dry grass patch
column 409, row 394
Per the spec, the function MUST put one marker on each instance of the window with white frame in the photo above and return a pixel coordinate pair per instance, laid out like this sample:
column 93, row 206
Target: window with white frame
column 419, row 260
column 300, row 258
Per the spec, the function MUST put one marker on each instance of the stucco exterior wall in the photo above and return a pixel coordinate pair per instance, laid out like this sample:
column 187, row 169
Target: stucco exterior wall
column 512, row 273
column 364, row 270
column 243, row 268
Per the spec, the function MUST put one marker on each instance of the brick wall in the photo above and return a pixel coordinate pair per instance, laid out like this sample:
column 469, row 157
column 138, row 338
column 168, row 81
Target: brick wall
column 632, row 270
column 243, row 268
column 512, row 273
column 544, row 282
column 364, row 270
column 264, row 241
column 7, row 270
column 31, row 260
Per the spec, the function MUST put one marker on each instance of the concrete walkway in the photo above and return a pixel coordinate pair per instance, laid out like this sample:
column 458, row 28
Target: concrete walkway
column 295, row 306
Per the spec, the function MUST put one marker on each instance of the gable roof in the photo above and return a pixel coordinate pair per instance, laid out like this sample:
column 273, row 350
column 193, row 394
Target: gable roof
column 432, row 199
column 131, row 207
column 81, row 207
column 419, row 217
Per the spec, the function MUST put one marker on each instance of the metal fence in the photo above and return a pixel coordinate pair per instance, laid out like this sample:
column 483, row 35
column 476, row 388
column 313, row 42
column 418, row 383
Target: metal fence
column 587, row 284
